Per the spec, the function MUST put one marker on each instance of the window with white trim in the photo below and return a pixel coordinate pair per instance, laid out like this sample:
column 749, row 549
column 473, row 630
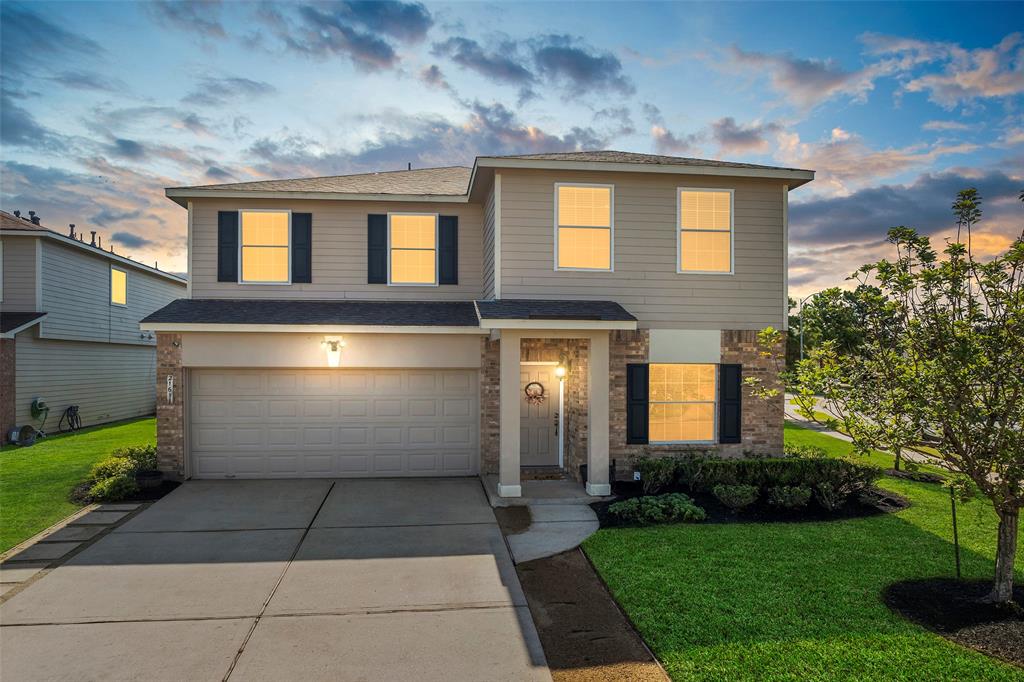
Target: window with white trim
column 118, row 286
column 265, row 247
column 412, row 249
column 682, row 403
column 705, row 230
column 583, row 227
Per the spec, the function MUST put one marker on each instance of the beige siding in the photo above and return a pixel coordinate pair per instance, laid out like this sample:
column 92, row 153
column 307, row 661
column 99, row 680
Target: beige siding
column 645, row 280
column 76, row 294
column 107, row 381
column 339, row 252
column 488, row 288
column 19, row 294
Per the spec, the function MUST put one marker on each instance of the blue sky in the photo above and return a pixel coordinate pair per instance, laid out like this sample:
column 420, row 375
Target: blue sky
column 895, row 105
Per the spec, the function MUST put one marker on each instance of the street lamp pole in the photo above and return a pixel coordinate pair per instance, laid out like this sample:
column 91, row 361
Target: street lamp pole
column 802, row 301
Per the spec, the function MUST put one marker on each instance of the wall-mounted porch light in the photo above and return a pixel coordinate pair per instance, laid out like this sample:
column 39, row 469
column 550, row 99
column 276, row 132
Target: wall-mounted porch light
column 560, row 372
column 333, row 345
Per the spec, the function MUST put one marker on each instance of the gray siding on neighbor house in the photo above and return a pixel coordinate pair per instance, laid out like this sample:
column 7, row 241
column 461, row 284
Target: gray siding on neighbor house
column 339, row 251
column 76, row 294
column 108, row 381
column 488, row 289
column 19, row 293
column 645, row 280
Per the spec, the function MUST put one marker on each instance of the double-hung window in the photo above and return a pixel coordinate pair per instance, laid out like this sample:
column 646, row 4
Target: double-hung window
column 705, row 228
column 265, row 247
column 412, row 249
column 118, row 286
column 584, row 226
column 682, row 403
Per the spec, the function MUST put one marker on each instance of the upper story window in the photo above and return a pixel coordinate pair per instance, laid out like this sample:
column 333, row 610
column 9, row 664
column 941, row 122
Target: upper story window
column 682, row 403
column 265, row 248
column 583, row 227
column 412, row 249
column 705, row 230
column 118, row 287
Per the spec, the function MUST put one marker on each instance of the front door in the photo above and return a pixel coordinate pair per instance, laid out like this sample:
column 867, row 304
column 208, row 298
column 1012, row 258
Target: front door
column 538, row 441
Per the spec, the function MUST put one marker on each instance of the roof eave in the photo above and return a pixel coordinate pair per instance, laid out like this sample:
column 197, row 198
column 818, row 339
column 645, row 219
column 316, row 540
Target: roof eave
column 796, row 177
column 182, row 195
column 307, row 328
column 11, row 333
column 532, row 323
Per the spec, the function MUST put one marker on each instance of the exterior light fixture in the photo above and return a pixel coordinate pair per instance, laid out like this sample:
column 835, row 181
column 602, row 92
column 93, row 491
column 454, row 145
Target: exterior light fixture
column 333, row 345
column 560, row 372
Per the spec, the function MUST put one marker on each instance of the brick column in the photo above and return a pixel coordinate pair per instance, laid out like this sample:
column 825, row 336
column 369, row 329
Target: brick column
column 8, row 399
column 170, row 415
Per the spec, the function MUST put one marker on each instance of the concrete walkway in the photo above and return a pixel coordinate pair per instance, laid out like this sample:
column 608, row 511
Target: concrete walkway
column 553, row 529
column 290, row 579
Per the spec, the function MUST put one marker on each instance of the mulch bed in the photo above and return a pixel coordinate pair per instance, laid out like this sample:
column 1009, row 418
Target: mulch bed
column 918, row 476
column 952, row 608
column 80, row 493
column 876, row 501
column 586, row 637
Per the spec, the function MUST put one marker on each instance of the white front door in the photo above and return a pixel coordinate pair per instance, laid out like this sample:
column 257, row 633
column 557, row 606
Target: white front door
column 294, row 423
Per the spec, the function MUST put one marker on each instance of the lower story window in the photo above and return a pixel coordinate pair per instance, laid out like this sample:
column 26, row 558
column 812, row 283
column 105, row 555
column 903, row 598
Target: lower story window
column 682, row 403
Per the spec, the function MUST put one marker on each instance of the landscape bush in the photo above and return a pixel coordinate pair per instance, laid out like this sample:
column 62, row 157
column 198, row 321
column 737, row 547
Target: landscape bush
column 113, row 489
column 113, row 478
column 803, row 451
column 736, row 497
column 649, row 509
column 789, row 496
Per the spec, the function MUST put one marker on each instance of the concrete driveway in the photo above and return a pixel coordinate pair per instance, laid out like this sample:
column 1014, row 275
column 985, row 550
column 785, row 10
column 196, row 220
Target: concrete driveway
column 290, row 579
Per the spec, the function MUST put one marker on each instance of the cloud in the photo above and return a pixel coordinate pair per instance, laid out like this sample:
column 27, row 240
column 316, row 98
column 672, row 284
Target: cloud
column 218, row 174
column 432, row 76
column 944, row 125
column 406, row 21
column 499, row 65
column 736, row 138
column 192, row 16
column 130, row 241
column 108, row 216
column 580, row 68
column 212, row 91
column 89, row 81
column 806, row 82
column 19, row 128
column 667, row 142
column 619, row 117
column 29, row 42
column 127, row 149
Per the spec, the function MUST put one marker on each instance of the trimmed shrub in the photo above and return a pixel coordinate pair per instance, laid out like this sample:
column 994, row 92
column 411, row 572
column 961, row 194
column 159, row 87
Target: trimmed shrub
column 649, row 509
column 736, row 497
column 804, row 451
column 789, row 496
column 113, row 488
column 112, row 467
column 656, row 474
column 143, row 456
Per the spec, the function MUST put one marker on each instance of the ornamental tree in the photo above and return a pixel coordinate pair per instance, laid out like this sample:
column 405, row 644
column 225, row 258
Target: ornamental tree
column 941, row 364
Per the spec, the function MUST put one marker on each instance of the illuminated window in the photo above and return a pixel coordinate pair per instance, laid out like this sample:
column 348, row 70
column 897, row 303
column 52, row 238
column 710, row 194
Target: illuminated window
column 118, row 287
column 705, row 230
column 265, row 257
column 682, row 403
column 412, row 241
column 584, row 234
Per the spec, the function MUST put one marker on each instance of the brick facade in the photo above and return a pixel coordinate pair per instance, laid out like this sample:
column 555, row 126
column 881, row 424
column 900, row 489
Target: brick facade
column 8, row 399
column 170, row 416
column 762, row 420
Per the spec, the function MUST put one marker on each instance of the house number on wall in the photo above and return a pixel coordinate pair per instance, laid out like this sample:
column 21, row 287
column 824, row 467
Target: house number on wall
column 170, row 389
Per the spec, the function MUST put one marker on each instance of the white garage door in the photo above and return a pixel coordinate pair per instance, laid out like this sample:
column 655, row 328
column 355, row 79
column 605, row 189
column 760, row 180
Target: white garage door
column 333, row 423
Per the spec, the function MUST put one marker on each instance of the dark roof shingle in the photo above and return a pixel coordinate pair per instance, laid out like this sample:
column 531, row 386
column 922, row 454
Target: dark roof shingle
column 612, row 156
column 9, row 321
column 449, row 181
column 321, row 312
column 506, row 309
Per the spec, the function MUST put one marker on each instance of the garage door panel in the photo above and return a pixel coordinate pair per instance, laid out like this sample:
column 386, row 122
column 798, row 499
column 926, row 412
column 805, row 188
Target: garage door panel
column 293, row 423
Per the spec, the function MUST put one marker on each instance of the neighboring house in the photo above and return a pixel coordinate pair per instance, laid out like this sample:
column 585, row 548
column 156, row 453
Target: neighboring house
column 393, row 324
column 69, row 327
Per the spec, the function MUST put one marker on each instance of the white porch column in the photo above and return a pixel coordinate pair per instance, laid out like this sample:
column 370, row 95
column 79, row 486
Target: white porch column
column 508, row 460
column 597, row 416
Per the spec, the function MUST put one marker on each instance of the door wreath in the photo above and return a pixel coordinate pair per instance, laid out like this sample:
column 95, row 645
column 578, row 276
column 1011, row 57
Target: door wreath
column 535, row 393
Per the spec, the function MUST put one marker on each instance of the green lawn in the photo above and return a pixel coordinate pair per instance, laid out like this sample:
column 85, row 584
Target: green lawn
column 799, row 601
column 35, row 481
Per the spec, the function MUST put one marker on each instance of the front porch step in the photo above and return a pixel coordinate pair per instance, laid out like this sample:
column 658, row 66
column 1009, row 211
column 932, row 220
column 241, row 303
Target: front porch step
column 542, row 474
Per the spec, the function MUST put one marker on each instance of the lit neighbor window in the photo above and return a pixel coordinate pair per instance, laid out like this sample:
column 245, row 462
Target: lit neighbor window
column 118, row 287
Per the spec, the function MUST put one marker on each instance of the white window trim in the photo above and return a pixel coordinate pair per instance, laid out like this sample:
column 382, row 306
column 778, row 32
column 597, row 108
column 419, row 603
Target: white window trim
column 714, row 408
column 437, row 250
column 679, row 231
column 241, row 272
column 611, row 227
column 110, row 286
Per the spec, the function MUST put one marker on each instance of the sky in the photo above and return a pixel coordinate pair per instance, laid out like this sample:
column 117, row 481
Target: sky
column 896, row 106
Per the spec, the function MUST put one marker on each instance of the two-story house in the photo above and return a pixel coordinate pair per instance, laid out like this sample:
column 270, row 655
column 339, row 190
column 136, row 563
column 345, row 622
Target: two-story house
column 546, row 310
column 69, row 328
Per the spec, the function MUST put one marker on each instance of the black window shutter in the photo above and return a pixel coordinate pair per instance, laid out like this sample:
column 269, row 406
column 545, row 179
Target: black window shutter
column 448, row 250
column 637, row 407
column 227, row 246
column 302, row 248
column 376, row 249
column 730, row 399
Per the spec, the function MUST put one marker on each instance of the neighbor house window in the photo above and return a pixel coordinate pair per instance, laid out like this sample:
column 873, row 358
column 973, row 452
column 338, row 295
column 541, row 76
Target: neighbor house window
column 118, row 287
column 412, row 245
column 705, row 230
column 583, row 230
column 682, row 403
column 265, row 257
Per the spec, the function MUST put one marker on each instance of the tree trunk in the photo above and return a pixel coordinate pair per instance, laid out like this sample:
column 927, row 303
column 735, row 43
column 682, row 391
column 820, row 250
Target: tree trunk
column 1006, row 549
column 896, row 464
